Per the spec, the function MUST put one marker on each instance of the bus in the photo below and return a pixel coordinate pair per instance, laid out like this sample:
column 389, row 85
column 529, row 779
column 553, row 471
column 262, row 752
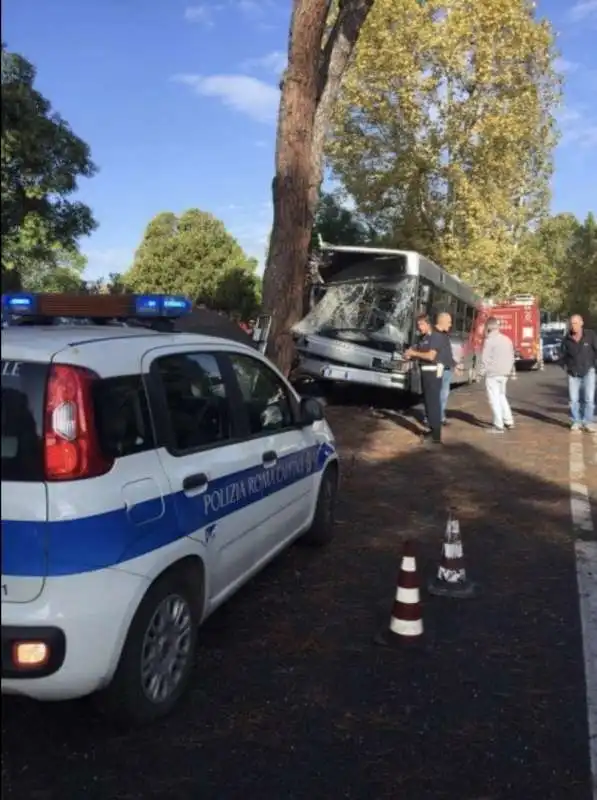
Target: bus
column 362, row 318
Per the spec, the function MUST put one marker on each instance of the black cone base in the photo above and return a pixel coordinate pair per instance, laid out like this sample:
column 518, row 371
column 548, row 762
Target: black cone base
column 386, row 638
column 463, row 590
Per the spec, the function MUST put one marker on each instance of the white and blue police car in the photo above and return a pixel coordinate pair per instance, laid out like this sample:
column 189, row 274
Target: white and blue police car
column 146, row 476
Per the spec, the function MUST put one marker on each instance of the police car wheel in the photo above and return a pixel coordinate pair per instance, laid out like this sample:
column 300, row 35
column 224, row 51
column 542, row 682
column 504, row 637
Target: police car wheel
column 322, row 527
column 157, row 659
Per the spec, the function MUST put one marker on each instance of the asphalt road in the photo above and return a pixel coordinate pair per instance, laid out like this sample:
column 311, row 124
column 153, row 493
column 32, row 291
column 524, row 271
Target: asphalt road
column 293, row 700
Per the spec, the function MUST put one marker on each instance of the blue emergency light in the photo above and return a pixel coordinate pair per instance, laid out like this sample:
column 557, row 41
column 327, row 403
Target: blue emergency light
column 161, row 305
column 97, row 306
column 21, row 303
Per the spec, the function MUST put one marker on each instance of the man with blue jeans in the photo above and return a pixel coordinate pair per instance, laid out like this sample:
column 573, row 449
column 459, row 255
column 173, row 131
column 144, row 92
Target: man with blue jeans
column 443, row 323
column 497, row 362
column 579, row 359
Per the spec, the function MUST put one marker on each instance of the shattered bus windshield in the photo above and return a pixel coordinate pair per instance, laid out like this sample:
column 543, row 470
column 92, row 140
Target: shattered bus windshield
column 364, row 311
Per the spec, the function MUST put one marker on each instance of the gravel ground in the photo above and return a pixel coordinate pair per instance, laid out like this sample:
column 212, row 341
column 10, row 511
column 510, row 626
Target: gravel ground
column 292, row 699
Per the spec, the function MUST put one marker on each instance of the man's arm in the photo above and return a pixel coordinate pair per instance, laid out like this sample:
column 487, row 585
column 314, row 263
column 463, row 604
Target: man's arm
column 423, row 355
column 486, row 355
column 426, row 355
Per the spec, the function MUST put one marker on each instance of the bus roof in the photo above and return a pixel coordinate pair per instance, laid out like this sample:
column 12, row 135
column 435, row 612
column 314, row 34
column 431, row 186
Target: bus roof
column 418, row 264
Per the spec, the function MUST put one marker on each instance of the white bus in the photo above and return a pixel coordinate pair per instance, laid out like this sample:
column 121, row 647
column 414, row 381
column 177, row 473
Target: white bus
column 363, row 317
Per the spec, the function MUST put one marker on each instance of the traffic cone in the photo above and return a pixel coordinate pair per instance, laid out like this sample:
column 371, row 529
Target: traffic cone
column 406, row 621
column 451, row 579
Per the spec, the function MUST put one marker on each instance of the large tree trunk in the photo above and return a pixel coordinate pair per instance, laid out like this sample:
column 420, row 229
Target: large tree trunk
column 309, row 91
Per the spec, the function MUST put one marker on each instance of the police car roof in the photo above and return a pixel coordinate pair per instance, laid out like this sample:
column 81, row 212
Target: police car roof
column 41, row 343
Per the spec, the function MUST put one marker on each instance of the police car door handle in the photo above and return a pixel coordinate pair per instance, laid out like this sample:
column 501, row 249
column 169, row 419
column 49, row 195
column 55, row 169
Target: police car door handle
column 193, row 482
column 270, row 458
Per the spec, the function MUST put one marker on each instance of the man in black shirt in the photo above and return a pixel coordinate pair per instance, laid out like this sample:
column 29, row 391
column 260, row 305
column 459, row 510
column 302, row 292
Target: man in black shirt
column 579, row 359
column 443, row 324
column 426, row 353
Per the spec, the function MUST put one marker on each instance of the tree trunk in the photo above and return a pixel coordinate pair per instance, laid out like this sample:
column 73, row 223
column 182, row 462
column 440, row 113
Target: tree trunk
column 309, row 91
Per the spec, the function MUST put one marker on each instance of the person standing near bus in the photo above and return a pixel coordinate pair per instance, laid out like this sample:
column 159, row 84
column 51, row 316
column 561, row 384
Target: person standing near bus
column 443, row 325
column 426, row 353
column 497, row 361
column 579, row 359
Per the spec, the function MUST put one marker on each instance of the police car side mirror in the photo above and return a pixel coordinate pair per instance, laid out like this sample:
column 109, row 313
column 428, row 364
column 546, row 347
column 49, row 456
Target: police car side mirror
column 311, row 411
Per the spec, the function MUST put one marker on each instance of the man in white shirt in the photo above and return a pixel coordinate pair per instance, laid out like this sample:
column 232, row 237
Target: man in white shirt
column 497, row 363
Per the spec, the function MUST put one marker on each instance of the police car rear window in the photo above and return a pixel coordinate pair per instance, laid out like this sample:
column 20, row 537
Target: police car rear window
column 22, row 409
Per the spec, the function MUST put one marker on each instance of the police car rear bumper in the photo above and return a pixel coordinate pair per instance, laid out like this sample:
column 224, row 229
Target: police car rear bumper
column 94, row 631
column 50, row 638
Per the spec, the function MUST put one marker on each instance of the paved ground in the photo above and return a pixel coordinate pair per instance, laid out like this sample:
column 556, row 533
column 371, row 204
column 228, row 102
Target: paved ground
column 292, row 699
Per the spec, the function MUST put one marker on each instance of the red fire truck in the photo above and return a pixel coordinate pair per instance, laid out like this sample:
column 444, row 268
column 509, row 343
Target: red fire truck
column 520, row 319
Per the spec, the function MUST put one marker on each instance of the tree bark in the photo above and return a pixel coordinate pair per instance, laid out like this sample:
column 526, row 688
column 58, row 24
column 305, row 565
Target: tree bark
column 309, row 90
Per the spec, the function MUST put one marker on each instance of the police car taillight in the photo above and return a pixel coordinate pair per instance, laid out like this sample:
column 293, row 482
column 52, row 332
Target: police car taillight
column 71, row 446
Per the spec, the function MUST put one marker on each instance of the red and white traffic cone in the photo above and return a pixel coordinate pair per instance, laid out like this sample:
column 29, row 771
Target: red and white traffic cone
column 451, row 579
column 406, row 620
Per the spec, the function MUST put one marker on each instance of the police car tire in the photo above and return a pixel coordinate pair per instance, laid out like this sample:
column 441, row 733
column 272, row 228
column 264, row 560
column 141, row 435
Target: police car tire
column 124, row 701
column 322, row 528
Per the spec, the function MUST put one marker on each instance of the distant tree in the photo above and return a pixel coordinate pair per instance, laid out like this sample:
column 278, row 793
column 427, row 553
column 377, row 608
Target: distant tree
column 239, row 291
column 581, row 278
column 194, row 255
column 41, row 161
column 337, row 224
column 62, row 273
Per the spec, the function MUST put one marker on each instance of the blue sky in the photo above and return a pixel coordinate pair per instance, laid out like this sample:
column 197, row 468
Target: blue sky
column 178, row 101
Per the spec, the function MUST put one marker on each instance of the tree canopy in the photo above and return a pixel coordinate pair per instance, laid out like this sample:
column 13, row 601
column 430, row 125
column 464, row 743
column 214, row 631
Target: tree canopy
column 444, row 131
column 193, row 254
column 41, row 162
column 337, row 224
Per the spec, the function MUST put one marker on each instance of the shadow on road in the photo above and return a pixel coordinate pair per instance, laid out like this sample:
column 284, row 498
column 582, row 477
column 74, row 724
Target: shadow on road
column 292, row 700
column 537, row 415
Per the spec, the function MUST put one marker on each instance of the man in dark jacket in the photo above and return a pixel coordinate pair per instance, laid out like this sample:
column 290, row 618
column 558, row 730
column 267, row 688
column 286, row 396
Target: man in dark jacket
column 579, row 359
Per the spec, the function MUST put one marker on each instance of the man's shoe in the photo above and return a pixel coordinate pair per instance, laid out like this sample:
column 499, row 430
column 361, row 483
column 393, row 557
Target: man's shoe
column 590, row 427
column 575, row 427
column 493, row 429
column 509, row 427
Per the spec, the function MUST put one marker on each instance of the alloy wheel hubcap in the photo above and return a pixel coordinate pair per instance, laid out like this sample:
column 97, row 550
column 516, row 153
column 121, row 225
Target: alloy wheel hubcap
column 166, row 648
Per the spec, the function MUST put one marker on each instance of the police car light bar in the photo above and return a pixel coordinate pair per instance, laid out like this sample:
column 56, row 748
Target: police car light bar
column 96, row 306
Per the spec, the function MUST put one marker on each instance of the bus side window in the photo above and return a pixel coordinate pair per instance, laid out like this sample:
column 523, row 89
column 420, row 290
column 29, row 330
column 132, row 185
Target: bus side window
column 459, row 318
column 469, row 319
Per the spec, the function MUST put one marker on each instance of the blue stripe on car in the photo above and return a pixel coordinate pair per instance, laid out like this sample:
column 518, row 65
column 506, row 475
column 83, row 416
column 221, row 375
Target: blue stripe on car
column 69, row 547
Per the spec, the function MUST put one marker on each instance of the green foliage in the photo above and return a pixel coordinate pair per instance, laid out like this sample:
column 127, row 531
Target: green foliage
column 41, row 161
column 445, row 130
column 339, row 225
column 193, row 254
column 62, row 273
column 558, row 262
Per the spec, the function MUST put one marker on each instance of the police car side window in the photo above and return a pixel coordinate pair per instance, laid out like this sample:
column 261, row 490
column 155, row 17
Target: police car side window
column 196, row 398
column 122, row 416
column 266, row 399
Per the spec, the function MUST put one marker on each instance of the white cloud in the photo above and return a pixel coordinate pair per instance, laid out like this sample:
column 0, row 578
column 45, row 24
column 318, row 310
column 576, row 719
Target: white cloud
column 201, row 14
column 253, row 8
column 272, row 62
column 583, row 10
column 577, row 128
column 247, row 95
column 563, row 66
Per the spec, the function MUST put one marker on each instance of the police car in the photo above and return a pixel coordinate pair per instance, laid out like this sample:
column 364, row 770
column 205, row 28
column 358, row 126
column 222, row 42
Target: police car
column 146, row 476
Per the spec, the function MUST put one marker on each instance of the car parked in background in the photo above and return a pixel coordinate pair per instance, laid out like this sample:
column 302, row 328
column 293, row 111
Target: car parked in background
column 551, row 346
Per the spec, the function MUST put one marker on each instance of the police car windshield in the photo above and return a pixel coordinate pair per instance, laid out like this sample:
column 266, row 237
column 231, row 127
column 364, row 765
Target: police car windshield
column 379, row 310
